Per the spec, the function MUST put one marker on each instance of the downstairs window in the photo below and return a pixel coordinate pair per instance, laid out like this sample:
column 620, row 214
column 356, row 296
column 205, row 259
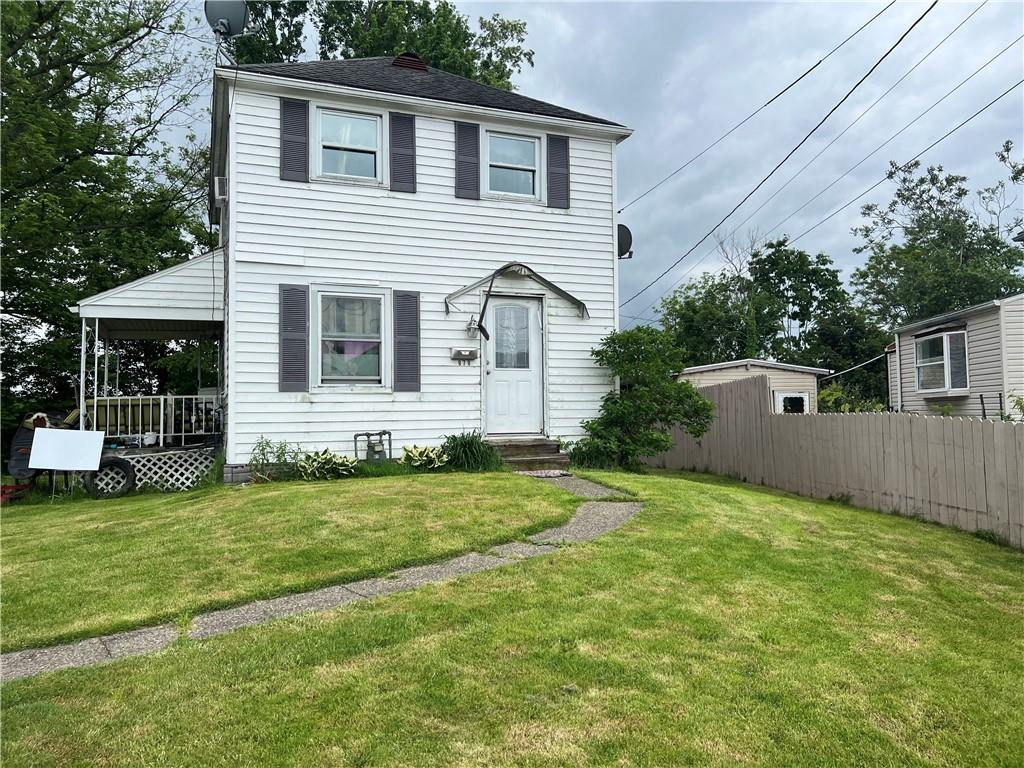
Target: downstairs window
column 351, row 337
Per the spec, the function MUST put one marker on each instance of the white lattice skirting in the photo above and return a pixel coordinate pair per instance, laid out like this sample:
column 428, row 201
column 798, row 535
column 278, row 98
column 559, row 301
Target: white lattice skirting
column 171, row 470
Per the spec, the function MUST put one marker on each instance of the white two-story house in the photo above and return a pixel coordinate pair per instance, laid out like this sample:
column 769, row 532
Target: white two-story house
column 402, row 249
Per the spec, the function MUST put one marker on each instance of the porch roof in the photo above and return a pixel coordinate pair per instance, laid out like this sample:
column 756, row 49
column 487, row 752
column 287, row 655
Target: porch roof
column 185, row 301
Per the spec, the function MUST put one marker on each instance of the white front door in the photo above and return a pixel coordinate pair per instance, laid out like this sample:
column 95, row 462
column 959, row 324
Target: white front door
column 513, row 369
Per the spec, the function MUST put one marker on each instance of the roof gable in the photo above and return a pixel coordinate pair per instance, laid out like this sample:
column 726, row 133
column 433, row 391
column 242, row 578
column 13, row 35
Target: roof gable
column 752, row 363
column 379, row 73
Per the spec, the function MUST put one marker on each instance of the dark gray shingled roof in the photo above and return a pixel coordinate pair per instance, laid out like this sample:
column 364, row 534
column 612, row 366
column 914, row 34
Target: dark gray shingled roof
column 379, row 74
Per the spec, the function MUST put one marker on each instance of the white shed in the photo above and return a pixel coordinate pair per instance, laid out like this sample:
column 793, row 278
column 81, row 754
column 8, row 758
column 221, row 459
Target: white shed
column 794, row 387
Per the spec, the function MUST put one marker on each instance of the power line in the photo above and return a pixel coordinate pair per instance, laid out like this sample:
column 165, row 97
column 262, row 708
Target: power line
column 789, row 154
column 835, row 181
column 854, row 368
column 875, row 151
column 889, row 175
column 908, row 162
column 745, row 120
column 861, row 115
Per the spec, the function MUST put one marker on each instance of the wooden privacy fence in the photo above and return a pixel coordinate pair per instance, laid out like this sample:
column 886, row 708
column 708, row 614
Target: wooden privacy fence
column 962, row 472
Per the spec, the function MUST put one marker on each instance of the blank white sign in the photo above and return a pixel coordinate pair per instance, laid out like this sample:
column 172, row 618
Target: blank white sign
column 66, row 450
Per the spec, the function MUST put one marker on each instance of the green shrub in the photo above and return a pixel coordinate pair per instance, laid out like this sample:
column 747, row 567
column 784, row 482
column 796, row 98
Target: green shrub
column 637, row 420
column 424, row 457
column 591, row 453
column 468, row 452
column 325, row 465
column 835, row 399
column 273, row 461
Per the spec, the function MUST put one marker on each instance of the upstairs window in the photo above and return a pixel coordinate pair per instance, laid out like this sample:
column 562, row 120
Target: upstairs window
column 349, row 145
column 512, row 163
column 941, row 362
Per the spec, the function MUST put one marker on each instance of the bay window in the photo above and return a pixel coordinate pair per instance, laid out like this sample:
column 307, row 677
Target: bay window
column 941, row 362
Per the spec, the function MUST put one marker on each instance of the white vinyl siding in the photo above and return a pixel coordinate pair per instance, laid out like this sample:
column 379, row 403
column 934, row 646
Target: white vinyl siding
column 1013, row 343
column 985, row 370
column 192, row 290
column 431, row 242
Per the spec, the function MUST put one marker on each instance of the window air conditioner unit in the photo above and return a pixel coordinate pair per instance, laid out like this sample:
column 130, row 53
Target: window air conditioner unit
column 220, row 189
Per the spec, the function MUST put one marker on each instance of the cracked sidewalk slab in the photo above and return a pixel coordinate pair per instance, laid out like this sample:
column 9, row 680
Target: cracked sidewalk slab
column 591, row 519
column 85, row 653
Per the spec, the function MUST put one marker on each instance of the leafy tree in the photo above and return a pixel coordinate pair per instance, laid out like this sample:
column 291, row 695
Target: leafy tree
column 797, row 286
column 843, row 337
column 637, row 420
column 274, row 32
column 436, row 31
column 720, row 317
column 929, row 252
column 94, row 195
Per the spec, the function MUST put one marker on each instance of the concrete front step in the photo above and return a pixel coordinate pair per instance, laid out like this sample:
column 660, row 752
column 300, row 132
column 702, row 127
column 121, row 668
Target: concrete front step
column 539, row 446
column 546, row 461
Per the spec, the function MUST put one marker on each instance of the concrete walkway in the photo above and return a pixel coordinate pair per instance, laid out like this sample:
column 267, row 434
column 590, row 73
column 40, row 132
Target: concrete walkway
column 592, row 519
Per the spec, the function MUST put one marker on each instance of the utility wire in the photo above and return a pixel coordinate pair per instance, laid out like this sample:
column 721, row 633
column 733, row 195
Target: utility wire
column 789, row 154
column 854, row 368
column 861, row 115
column 888, row 176
column 904, row 165
column 835, row 181
column 749, row 117
column 873, row 152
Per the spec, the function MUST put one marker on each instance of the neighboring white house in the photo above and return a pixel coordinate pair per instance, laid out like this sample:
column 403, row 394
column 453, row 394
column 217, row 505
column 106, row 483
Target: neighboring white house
column 970, row 361
column 794, row 387
column 370, row 211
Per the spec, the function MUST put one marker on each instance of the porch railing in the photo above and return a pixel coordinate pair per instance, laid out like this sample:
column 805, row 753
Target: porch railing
column 156, row 419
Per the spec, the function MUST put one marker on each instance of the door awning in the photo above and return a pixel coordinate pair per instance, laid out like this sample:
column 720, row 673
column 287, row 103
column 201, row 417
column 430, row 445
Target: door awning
column 522, row 270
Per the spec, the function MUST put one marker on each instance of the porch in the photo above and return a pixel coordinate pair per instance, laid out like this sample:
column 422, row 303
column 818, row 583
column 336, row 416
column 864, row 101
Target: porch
column 182, row 303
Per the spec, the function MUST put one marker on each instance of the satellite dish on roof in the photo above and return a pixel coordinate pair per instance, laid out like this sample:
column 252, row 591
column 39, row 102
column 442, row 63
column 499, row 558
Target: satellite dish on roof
column 226, row 18
column 625, row 238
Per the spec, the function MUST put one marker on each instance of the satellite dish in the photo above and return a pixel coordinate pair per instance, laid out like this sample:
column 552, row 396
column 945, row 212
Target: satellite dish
column 226, row 18
column 625, row 239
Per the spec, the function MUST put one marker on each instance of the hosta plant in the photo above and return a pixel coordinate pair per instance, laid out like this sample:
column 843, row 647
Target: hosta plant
column 424, row 457
column 325, row 465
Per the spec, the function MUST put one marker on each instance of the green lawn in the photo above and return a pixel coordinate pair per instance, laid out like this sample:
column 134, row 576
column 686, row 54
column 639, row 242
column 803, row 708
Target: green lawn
column 89, row 567
column 724, row 625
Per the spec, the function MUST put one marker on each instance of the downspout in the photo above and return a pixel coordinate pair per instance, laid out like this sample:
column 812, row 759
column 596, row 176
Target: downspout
column 899, row 377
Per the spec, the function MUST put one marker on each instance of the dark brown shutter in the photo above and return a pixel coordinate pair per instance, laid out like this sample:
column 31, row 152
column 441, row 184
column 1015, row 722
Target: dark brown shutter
column 294, row 140
column 558, row 171
column 467, row 160
column 403, row 152
column 407, row 341
column 293, row 338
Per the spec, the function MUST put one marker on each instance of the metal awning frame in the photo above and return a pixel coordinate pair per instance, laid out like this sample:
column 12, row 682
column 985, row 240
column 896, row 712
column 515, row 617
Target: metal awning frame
column 523, row 271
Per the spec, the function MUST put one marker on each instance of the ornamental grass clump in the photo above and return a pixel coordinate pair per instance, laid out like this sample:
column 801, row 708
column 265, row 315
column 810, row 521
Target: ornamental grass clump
column 424, row 457
column 468, row 452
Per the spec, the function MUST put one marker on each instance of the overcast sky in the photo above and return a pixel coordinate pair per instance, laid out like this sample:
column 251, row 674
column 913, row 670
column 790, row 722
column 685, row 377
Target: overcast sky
column 681, row 74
